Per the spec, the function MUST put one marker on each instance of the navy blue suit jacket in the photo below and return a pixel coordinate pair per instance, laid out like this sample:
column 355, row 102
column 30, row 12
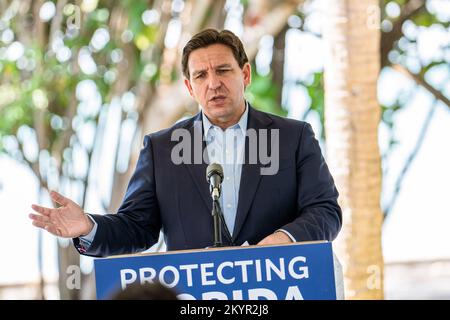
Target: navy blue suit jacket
column 301, row 198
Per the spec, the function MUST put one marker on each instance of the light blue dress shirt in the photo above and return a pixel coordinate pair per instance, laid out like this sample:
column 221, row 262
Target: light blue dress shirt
column 226, row 147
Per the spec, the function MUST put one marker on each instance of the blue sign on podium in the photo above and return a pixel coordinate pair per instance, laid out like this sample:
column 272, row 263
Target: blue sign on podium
column 283, row 272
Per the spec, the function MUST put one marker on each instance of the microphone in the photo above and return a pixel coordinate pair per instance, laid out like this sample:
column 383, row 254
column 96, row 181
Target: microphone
column 214, row 176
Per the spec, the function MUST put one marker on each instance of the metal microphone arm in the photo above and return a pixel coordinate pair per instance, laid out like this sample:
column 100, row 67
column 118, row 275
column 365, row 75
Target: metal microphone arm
column 214, row 176
column 217, row 224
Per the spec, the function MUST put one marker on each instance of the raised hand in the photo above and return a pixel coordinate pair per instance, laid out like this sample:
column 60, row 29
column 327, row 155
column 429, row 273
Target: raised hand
column 68, row 221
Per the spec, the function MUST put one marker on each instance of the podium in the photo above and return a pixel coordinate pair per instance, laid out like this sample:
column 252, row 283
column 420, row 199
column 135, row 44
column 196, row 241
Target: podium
column 297, row 271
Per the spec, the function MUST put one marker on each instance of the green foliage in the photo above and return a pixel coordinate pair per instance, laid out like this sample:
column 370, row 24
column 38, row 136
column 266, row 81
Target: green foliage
column 43, row 97
column 388, row 118
column 425, row 20
column 245, row 3
column 263, row 93
column 432, row 65
column 315, row 90
column 399, row 2
column 40, row 82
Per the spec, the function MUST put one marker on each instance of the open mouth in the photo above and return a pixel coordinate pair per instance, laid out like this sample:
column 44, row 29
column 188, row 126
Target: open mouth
column 217, row 98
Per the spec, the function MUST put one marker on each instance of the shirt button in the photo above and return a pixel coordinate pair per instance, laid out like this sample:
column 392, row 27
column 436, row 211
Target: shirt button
column 229, row 205
column 228, row 178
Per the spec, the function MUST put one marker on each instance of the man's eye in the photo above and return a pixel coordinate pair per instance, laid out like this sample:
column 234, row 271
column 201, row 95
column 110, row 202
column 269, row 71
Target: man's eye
column 199, row 76
column 222, row 71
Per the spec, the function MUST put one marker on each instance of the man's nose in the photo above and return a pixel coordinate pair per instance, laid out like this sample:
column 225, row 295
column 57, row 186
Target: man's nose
column 214, row 82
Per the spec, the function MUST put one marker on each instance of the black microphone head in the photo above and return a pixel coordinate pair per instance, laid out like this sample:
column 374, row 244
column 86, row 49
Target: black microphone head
column 214, row 168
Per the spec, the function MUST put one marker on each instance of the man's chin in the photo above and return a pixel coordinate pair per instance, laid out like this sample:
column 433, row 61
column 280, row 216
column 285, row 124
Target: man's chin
column 219, row 111
column 222, row 116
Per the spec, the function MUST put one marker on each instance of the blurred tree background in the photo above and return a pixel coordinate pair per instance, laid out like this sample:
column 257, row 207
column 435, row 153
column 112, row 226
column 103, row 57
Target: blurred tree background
column 72, row 69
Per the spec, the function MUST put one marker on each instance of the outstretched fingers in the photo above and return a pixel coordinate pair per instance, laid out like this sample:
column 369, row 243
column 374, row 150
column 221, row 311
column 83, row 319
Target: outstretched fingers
column 59, row 198
column 42, row 210
column 39, row 218
column 40, row 224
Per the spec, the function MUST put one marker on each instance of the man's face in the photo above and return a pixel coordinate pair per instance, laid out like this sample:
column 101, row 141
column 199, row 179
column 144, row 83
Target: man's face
column 217, row 83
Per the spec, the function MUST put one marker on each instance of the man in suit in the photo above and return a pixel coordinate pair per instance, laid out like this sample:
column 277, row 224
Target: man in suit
column 292, row 198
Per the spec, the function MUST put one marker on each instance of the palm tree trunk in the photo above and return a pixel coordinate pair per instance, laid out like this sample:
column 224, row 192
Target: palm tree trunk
column 352, row 115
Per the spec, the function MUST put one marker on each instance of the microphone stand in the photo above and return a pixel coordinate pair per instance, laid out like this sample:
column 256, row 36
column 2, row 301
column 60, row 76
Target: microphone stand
column 215, row 172
column 216, row 212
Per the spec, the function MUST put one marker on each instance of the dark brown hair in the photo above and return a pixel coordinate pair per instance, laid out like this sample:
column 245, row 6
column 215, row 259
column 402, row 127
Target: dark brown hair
column 146, row 291
column 209, row 37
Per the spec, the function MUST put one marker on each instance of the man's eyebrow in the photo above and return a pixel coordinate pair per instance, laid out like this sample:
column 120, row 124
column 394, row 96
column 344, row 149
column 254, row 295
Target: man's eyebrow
column 220, row 66
column 196, row 72
column 224, row 65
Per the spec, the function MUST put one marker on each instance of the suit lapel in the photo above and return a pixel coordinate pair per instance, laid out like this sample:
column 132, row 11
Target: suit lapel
column 198, row 170
column 251, row 173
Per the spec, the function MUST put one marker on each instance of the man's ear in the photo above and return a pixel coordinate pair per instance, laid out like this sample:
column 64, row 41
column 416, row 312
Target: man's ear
column 247, row 71
column 187, row 83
